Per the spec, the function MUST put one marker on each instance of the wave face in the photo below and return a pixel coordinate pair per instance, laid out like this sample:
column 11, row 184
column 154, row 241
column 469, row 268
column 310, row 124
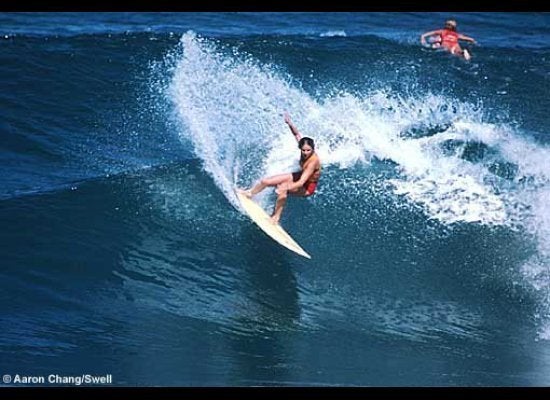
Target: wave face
column 123, row 136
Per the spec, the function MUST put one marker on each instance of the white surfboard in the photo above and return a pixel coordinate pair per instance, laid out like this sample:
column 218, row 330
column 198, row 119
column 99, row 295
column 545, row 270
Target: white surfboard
column 275, row 231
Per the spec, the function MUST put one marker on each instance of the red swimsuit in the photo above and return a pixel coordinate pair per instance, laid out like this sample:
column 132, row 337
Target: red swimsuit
column 449, row 39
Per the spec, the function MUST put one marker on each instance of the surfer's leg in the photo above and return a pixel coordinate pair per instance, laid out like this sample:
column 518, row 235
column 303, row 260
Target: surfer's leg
column 279, row 205
column 282, row 194
column 271, row 181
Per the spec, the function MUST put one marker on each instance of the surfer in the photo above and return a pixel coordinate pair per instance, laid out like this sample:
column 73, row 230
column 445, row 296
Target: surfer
column 447, row 38
column 301, row 183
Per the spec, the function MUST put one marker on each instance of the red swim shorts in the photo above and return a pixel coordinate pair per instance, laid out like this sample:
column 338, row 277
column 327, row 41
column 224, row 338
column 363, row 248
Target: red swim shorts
column 309, row 187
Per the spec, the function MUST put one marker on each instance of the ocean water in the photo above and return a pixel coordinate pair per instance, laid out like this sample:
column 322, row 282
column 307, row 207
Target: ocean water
column 124, row 250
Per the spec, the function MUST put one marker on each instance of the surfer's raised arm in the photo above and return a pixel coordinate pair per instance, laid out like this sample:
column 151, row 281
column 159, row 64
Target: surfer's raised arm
column 293, row 129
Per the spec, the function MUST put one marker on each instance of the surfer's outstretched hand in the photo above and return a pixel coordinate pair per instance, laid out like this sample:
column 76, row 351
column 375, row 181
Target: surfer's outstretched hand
column 287, row 118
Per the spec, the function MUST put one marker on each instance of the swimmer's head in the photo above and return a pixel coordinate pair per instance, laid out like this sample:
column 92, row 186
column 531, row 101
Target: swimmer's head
column 450, row 24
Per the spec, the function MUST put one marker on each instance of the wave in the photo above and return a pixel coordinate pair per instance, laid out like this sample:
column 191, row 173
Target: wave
column 405, row 170
column 338, row 33
column 447, row 157
column 166, row 238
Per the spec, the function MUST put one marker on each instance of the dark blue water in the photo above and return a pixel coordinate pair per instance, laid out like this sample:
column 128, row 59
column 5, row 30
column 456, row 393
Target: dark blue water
column 123, row 249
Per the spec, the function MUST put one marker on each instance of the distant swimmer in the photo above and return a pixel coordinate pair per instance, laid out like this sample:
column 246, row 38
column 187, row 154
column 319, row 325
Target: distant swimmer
column 447, row 38
column 301, row 183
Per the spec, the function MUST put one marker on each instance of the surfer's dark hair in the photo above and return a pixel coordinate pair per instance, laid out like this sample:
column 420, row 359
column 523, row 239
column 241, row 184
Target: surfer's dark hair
column 306, row 140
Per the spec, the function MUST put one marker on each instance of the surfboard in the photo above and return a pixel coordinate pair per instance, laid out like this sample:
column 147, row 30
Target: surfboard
column 274, row 231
